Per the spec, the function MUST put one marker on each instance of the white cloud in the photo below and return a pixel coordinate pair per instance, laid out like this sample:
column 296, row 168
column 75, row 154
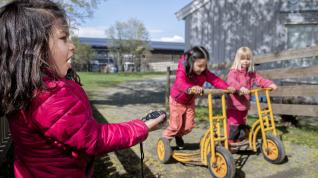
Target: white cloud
column 93, row 32
column 174, row 38
column 99, row 32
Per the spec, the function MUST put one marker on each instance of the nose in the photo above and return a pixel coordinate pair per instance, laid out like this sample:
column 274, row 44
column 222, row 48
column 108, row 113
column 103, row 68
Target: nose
column 71, row 45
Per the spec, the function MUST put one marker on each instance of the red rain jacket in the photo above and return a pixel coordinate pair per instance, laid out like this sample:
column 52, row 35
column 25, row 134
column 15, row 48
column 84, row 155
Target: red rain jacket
column 182, row 83
column 57, row 135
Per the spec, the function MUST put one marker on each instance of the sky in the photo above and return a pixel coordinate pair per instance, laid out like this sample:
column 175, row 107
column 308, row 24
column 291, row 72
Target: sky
column 158, row 17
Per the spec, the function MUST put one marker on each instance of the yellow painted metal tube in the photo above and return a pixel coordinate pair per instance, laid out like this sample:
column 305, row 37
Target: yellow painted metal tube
column 254, row 126
column 211, row 128
column 255, row 137
column 226, row 144
column 269, row 129
column 260, row 118
column 269, row 105
column 204, row 147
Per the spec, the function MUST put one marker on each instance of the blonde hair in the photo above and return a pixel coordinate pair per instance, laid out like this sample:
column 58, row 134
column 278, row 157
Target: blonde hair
column 243, row 51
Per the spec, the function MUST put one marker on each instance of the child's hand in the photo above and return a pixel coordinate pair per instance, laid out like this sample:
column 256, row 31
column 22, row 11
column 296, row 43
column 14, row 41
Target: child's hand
column 244, row 90
column 153, row 119
column 273, row 86
column 231, row 89
column 195, row 90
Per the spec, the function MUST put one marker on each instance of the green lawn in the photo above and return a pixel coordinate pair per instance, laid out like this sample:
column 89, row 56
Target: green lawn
column 95, row 80
column 92, row 81
column 303, row 135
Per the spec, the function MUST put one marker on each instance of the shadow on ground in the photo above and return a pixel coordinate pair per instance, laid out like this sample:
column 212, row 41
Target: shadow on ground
column 133, row 97
column 127, row 157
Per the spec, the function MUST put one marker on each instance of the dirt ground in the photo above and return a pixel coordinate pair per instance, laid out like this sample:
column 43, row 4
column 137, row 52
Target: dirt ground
column 131, row 100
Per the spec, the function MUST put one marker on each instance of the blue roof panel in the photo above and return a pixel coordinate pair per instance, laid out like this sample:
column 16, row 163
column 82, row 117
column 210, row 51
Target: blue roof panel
column 102, row 42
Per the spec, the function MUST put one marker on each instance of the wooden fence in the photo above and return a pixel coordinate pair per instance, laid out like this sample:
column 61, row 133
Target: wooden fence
column 297, row 89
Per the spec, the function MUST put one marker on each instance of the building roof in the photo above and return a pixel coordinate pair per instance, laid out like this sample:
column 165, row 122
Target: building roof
column 302, row 6
column 190, row 8
column 156, row 45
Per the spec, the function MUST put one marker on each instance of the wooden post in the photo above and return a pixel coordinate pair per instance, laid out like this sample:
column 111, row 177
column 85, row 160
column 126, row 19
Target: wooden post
column 167, row 90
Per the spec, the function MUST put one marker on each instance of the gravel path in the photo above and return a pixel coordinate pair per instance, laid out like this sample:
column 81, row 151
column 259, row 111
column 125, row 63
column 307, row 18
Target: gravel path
column 131, row 100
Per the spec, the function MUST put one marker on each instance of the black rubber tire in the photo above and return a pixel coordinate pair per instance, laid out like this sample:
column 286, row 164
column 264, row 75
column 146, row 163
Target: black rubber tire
column 229, row 161
column 167, row 150
column 278, row 149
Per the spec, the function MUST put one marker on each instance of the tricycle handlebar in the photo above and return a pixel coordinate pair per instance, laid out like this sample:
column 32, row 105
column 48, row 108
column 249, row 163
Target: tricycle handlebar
column 215, row 91
column 221, row 92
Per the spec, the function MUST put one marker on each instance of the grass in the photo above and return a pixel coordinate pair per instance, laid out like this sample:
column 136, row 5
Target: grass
column 95, row 81
column 302, row 135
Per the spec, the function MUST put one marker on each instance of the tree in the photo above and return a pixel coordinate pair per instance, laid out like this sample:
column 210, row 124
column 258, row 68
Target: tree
column 83, row 54
column 129, row 38
column 77, row 10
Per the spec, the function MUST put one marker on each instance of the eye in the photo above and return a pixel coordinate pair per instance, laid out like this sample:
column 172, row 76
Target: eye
column 64, row 38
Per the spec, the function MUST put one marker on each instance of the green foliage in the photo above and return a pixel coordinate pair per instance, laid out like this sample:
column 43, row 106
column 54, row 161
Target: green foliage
column 77, row 10
column 128, row 38
column 83, row 54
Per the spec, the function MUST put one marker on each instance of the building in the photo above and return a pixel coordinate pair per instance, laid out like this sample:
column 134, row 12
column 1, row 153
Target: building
column 163, row 54
column 266, row 26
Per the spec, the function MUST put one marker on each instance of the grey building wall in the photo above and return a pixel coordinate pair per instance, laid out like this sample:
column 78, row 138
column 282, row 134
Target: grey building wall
column 222, row 26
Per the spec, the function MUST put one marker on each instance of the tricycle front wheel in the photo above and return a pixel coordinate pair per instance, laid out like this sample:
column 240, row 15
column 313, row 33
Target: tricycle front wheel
column 224, row 165
column 275, row 152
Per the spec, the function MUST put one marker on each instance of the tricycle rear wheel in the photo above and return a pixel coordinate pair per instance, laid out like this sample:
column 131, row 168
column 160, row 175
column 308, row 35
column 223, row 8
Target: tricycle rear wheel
column 164, row 150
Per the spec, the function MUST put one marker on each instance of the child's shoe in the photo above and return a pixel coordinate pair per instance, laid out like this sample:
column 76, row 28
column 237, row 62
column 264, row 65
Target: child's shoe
column 231, row 142
column 232, row 146
column 179, row 142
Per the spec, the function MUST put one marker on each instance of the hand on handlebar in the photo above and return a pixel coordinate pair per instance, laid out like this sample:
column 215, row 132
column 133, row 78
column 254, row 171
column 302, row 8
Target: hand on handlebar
column 197, row 90
column 273, row 86
column 231, row 89
column 244, row 91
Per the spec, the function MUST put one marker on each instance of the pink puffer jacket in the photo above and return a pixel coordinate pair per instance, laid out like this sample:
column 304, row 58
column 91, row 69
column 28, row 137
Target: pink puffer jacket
column 242, row 78
column 57, row 135
column 182, row 83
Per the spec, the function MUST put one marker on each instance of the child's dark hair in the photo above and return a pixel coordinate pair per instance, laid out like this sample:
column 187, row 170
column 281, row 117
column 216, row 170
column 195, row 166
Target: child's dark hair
column 197, row 52
column 26, row 26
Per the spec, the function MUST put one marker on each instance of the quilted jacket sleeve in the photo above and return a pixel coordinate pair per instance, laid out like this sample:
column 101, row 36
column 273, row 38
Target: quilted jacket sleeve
column 260, row 81
column 64, row 117
column 232, row 80
column 182, row 82
column 215, row 80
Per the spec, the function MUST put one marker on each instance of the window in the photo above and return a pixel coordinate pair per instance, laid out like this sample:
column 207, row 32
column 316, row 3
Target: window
column 302, row 36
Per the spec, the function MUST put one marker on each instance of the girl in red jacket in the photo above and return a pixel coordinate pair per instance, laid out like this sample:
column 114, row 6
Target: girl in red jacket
column 51, row 121
column 191, row 74
column 242, row 77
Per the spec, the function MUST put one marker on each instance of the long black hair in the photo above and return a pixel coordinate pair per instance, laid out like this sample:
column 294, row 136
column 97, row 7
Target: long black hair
column 26, row 26
column 197, row 52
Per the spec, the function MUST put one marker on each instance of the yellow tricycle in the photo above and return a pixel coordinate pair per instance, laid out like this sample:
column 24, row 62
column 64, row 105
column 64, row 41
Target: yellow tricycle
column 271, row 146
column 214, row 149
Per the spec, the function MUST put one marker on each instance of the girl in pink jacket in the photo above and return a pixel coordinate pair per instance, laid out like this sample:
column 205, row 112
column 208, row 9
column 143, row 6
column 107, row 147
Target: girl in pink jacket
column 191, row 74
column 242, row 77
column 51, row 121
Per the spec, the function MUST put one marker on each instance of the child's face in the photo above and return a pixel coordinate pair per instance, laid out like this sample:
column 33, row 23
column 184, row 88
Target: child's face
column 199, row 66
column 61, row 50
column 245, row 62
